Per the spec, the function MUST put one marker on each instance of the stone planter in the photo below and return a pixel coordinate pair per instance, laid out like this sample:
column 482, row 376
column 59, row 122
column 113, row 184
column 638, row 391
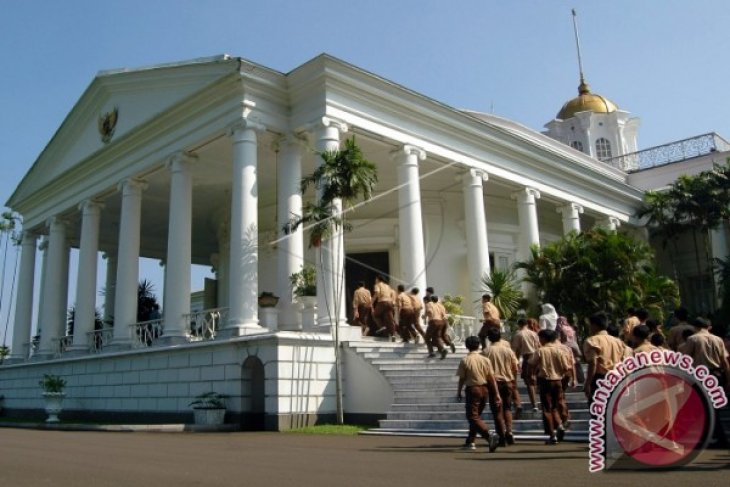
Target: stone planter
column 54, row 405
column 268, row 300
column 209, row 416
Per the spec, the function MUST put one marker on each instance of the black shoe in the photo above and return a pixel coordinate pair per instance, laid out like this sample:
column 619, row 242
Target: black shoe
column 493, row 443
column 444, row 353
column 509, row 439
column 561, row 433
column 453, row 348
column 431, row 355
column 566, row 424
column 502, row 443
column 552, row 441
column 518, row 413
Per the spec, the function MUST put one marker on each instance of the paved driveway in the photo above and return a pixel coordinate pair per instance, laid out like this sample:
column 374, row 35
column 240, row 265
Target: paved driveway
column 60, row 458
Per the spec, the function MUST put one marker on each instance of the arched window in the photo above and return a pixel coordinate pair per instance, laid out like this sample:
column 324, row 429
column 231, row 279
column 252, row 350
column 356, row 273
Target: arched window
column 603, row 149
column 577, row 145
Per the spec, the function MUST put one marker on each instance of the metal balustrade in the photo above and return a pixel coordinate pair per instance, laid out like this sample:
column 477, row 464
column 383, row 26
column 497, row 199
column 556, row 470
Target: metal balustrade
column 145, row 333
column 205, row 324
column 61, row 345
column 98, row 339
column 463, row 326
column 668, row 153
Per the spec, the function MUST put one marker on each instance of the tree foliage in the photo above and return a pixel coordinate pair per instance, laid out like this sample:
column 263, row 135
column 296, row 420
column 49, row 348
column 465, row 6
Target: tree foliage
column 598, row 270
column 505, row 291
column 693, row 205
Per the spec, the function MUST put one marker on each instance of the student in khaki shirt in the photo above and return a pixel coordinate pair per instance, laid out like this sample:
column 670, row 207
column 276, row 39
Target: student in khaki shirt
column 476, row 373
column 384, row 307
column 708, row 350
column 552, row 366
column 361, row 307
column 405, row 315
column 417, row 329
column 525, row 343
column 675, row 339
column 602, row 352
column 436, row 330
column 444, row 330
column 505, row 365
column 629, row 323
column 640, row 339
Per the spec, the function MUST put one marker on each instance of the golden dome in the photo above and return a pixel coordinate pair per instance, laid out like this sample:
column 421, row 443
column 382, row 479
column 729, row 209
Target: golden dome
column 586, row 102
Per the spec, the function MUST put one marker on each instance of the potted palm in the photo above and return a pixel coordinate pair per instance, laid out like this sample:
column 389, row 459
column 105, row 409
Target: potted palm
column 209, row 408
column 53, row 394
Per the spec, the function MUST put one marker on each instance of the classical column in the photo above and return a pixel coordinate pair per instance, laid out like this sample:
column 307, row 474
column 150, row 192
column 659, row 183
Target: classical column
column 24, row 300
column 85, row 316
column 243, row 275
column 54, row 304
column 110, row 286
column 527, row 216
column 290, row 250
column 40, row 318
column 125, row 293
column 331, row 253
column 179, row 249
column 610, row 223
column 571, row 217
column 476, row 235
column 410, row 217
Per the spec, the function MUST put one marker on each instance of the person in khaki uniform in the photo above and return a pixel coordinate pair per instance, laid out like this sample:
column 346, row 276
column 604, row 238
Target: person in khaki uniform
column 675, row 338
column 416, row 328
column 361, row 307
column 505, row 365
column 444, row 330
column 384, row 307
column 602, row 352
column 525, row 343
column 476, row 374
column 630, row 322
column 640, row 339
column 406, row 315
column 436, row 319
column 708, row 350
column 551, row 365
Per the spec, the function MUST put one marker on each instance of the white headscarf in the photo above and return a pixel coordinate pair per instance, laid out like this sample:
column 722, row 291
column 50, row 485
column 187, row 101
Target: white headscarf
column 549, row 317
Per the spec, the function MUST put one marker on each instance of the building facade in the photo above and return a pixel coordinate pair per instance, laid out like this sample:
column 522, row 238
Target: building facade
column 199, row 162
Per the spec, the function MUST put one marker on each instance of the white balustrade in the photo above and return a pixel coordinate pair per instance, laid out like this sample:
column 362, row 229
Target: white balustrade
column 205, row 324
column 145, row 333
column 61, row 345
column 98, row 339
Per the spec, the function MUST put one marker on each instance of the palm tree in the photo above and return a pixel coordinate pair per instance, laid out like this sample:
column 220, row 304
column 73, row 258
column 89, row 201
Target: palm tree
column 505, row 292
column 344, row 178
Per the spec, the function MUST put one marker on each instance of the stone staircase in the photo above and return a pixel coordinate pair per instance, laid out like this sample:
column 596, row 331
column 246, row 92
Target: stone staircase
column 424, row 391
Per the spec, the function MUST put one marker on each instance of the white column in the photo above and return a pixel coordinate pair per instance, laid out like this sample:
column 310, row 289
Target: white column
column 24, row 300
column 610, row 223
column 179, row 249
column 40, row 318
column 290, row 250
column 223, row 264
column 571, row 217
column 125, row 294
column 527, row 216
column 243, row 275
column 54, row 304
column 476, row 235
column 86, row 278
column 110, row 286
column 330, row 266
column 410, row 217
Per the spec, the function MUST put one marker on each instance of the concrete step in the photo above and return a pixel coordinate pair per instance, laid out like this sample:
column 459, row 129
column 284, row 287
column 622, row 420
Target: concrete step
column 447, row 403
column 461, row 433
column 578, row 425
column 458, row 414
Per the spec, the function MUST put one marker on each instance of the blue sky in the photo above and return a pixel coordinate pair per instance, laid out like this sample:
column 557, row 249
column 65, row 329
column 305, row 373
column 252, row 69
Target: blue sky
column 664, row 61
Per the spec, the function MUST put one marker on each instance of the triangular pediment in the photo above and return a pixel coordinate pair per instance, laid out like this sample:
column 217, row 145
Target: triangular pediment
column 116, row 103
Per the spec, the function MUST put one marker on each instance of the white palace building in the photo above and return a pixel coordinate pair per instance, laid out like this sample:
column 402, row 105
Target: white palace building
column 199, row 163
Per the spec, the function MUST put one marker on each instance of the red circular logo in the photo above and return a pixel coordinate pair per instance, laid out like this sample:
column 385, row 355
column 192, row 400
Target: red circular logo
column 660, row 419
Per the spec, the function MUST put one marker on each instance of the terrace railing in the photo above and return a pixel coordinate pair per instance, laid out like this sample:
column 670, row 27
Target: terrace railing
column 672, row 152
column 205, row 324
